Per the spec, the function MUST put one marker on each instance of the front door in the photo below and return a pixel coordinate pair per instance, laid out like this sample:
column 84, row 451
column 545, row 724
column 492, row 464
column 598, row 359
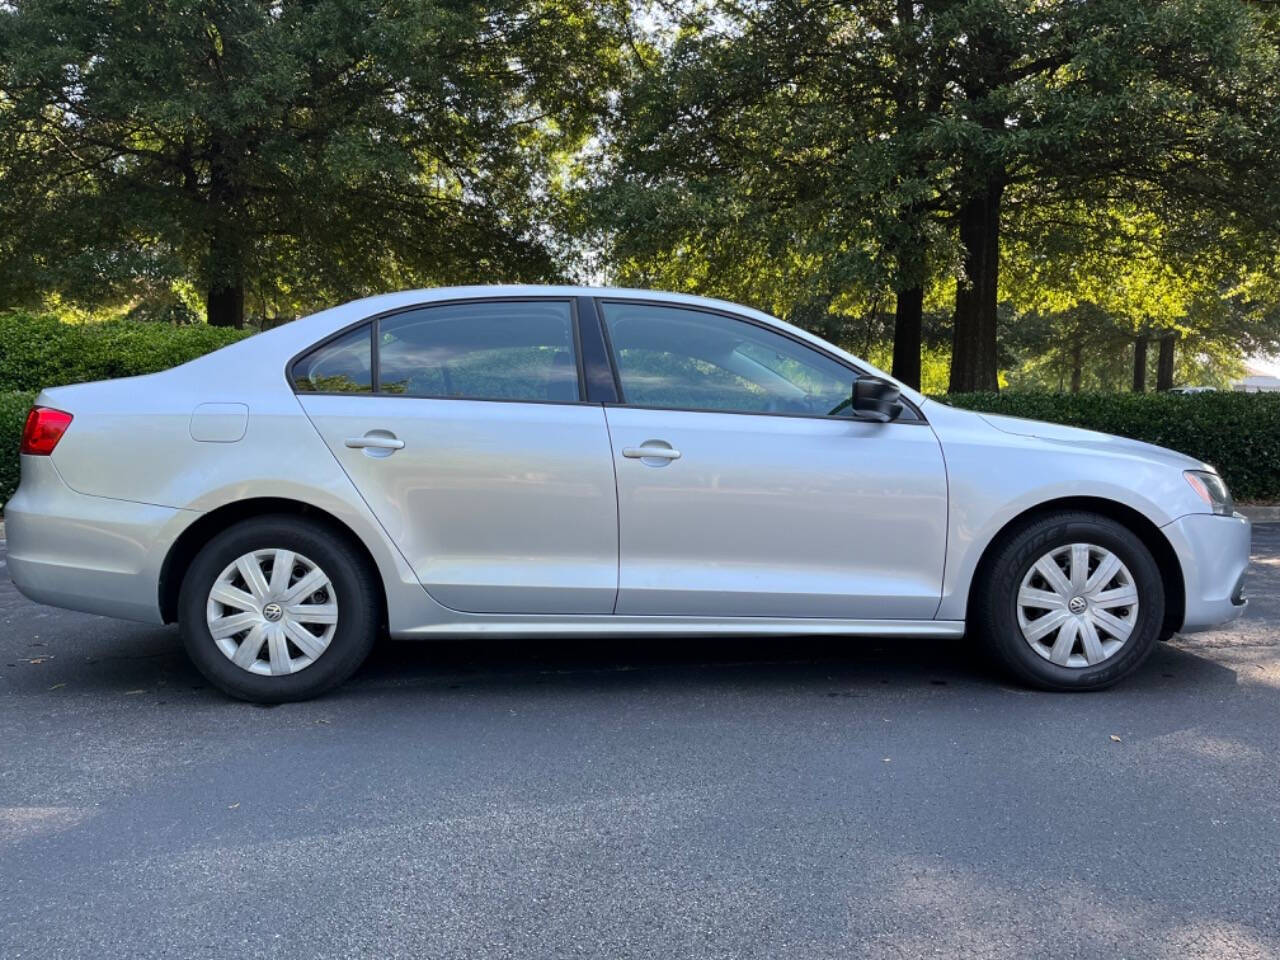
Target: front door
column 461, row 426
column 745, row 489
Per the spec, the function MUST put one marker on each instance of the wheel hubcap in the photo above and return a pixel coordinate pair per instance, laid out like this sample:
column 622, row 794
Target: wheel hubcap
column 1077, row 605
column 272, row 612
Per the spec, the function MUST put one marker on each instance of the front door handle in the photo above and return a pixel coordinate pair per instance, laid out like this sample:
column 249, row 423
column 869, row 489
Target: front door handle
column 651, row 450
column 380, row 443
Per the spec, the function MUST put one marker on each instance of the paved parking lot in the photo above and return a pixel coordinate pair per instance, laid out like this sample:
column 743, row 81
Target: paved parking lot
column 630, row 799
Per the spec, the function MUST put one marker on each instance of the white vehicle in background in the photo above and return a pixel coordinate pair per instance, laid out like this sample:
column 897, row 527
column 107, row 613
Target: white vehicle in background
column 1257, row 383
column 523, row 461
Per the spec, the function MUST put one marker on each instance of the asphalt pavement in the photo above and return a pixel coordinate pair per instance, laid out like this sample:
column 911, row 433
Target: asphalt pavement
column 610, row 798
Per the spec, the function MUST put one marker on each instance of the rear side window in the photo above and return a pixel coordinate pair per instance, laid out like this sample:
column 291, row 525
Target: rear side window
column 501, row 350
column 341, row 365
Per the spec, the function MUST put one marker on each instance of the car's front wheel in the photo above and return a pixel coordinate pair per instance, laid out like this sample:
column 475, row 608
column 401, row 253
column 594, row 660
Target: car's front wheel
column 1071, row 601
column 278, row 608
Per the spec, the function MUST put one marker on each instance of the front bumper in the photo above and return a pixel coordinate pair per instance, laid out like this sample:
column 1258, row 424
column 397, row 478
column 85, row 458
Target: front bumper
column 1214, row 554
column 95, row 554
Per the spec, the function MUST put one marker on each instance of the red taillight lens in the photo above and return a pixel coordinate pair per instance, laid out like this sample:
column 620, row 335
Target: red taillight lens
column 44, row 428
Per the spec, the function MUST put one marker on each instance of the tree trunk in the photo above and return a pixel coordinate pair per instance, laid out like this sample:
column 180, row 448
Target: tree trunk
column 224, row 305
column 1164, row 363
column 973, row 350
column 224, row 301
column 1140, row 364
column 912, row 261
column 907, row 325
column 1077, row 367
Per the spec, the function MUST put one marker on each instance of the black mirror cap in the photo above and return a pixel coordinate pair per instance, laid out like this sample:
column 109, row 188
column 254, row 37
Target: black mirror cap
column 876, row 399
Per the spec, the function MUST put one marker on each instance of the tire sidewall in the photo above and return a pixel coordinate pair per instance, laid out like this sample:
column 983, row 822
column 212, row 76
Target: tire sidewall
column 357, row 619
column 1032, row 543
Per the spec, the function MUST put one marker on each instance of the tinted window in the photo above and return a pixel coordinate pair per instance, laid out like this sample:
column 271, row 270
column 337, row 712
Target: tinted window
column 485, row 351
column 340, row 366
column 693, row 360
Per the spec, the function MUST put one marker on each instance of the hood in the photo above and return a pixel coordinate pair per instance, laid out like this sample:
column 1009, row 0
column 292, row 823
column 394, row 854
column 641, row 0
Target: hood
column 1102, row 442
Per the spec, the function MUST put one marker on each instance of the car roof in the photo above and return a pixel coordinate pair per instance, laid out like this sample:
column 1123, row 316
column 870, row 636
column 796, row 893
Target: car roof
column 390, row 301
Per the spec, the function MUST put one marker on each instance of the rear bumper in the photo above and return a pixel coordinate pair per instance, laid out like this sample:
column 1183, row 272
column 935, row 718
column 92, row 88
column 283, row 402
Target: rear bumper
column 1214, row 554
column 81, row 552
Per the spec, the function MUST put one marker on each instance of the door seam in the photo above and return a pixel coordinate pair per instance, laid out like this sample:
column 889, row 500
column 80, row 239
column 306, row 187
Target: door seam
column 946, row 530
column 617, row 509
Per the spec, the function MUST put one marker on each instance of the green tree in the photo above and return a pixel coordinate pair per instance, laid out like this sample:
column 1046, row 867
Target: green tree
column 1109, row 275
column 306, row 149
column 1172, row 103
column 798, row 151
column 751, row 159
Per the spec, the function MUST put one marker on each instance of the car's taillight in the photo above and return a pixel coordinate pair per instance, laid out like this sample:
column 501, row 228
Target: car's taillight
column 44, row 428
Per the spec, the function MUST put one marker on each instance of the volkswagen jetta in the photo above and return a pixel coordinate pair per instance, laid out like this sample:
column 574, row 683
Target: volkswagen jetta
column 522, row 461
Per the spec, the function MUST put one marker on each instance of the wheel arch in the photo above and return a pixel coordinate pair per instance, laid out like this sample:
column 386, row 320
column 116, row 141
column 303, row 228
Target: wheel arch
column 1150, row 534
column 189, row 543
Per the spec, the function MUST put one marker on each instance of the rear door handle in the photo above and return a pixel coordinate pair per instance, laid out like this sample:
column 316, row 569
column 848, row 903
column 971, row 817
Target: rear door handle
column 651, row 451
column 376, row 444
column 382, row 443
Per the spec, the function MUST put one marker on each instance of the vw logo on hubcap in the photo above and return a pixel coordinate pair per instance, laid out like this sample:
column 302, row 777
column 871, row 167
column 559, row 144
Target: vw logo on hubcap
column 1077, row 605
column 273, row 612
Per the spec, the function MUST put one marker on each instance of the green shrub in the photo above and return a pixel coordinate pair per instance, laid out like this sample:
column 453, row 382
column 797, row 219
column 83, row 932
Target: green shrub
column 38, row 350
column 1239, row 433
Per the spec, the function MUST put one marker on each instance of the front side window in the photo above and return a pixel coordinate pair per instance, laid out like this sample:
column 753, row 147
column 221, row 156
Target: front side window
column 694, row 360
column 501, row 350
column 340, row 365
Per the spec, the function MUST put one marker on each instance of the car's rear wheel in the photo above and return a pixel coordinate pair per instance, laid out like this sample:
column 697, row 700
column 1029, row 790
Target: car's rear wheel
column 278, row 608
column 1071, row 601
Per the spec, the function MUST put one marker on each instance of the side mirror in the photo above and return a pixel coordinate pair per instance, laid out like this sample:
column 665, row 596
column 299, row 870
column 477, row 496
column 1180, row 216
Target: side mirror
column 876, row 400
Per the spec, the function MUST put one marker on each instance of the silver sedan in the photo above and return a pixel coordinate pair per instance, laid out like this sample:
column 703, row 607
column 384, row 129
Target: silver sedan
column 520, row 461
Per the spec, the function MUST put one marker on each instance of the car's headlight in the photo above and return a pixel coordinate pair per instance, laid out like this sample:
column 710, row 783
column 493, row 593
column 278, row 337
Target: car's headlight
column 1210, row 488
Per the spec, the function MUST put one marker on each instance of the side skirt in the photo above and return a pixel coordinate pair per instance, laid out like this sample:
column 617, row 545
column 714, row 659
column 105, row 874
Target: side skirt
column 540, row 626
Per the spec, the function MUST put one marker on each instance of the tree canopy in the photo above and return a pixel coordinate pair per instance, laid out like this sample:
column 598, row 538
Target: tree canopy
column 1033, row 190
column 805, row 151
column 293, row 150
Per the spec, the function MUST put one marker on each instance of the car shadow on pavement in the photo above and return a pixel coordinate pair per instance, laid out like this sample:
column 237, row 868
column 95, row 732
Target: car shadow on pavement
column 124, row 659
column 744, row 662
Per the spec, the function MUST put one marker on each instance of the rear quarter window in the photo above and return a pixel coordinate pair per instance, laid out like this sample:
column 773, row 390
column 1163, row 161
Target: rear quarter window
column 341, row 365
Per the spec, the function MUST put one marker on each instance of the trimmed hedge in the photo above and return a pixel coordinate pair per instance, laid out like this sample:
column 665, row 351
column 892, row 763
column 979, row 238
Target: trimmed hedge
column 38, row 351
column 1239, row 433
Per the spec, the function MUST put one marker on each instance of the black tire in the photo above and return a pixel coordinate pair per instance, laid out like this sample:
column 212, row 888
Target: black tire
column 353, row 584
column 995, row 615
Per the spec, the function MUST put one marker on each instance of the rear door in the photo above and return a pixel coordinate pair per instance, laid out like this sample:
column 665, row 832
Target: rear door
column 746, row 489
column 464, row 428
